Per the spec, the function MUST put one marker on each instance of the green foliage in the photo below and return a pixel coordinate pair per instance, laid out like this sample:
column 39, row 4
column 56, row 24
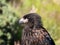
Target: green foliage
column 9, row 25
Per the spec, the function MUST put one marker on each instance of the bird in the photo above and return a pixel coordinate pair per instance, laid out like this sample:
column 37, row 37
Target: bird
column 33, row 32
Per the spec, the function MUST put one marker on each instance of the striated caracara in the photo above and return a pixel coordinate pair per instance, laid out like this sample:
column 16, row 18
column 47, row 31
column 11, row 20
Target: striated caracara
column 33, row 32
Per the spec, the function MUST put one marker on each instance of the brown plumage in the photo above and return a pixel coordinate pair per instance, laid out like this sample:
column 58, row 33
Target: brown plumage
column 33, row 32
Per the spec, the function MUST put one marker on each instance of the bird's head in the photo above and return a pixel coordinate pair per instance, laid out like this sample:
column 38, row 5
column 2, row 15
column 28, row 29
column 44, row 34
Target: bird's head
column 31, row 20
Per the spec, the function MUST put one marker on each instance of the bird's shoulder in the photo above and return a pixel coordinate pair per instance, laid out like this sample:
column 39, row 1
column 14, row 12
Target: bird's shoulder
column 41, row 33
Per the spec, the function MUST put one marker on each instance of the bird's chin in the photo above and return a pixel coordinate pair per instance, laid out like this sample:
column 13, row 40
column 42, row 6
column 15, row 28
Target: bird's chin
column 23, row 25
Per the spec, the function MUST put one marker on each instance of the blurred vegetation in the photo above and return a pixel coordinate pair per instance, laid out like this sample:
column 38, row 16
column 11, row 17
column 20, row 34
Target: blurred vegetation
column 12, row 10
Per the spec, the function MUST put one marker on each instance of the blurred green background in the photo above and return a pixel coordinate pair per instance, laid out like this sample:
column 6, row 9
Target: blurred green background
column 12, row 10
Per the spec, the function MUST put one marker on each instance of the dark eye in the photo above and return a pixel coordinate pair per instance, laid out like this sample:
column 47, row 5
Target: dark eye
column 24, row 17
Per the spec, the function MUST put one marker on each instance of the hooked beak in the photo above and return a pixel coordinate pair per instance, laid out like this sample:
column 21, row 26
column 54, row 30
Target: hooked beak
column 23, row 21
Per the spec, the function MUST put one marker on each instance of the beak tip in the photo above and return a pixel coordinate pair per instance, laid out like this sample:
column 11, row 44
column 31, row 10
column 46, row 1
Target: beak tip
column 20, row 22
